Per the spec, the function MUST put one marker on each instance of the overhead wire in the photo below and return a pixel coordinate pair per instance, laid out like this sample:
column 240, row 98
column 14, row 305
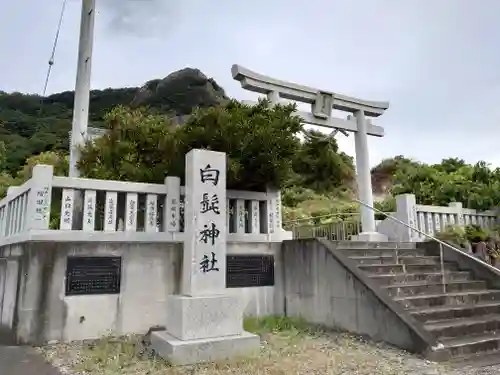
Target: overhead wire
column 54, row 47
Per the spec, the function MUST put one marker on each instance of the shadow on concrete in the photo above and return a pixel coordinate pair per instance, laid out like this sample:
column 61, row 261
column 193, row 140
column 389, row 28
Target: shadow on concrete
column 24, row 360
column 6, row 337
column 21, row 360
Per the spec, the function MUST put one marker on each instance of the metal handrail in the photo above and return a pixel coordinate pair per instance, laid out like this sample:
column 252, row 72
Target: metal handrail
column 441, row 243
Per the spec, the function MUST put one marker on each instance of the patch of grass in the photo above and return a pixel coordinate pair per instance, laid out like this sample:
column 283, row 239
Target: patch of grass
column 277, row 323
column 116, row 355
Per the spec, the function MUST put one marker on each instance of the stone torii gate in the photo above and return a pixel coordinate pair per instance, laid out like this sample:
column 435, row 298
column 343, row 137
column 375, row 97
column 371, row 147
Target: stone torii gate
column 322, row 102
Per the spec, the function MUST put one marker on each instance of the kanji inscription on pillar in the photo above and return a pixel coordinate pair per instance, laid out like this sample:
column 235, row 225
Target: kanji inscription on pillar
column 204, row 270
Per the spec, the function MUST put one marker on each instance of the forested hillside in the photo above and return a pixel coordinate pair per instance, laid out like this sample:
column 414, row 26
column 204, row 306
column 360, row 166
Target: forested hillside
column 30, row 124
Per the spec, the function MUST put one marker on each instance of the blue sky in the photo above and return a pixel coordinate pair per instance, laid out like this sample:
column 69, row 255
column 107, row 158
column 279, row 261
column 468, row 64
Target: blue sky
column 437, row 63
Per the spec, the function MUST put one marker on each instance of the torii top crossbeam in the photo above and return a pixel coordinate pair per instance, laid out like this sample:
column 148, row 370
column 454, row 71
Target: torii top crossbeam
column 256, row 82
column 322, row 101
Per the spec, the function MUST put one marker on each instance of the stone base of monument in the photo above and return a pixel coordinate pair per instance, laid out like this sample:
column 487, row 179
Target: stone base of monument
column 180, row 353
column 370, row 237
column 203, row 329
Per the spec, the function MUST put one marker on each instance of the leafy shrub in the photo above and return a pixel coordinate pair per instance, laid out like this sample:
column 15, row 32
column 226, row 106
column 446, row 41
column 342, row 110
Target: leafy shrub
column 454, row 235
column 475, row 233
column 470, row 234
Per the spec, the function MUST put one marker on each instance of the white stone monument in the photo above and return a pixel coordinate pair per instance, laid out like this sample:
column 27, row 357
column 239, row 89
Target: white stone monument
column 322, row 103
column 205, row 322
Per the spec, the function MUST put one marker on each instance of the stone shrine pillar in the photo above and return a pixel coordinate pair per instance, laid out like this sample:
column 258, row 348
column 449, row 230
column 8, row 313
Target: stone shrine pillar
column 364, row 182
column 205, row 322
column 204, row 260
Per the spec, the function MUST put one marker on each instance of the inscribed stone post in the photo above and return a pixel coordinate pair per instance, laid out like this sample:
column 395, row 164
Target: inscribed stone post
column 459, row 213
column 205, row 323
column 172, row 206
column 38, row 212
column 204, row 266
column 89, row 210
column 66, row 220
column 407, row 212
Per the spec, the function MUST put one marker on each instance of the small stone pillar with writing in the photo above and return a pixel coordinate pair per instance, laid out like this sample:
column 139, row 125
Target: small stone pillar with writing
column 205, row 322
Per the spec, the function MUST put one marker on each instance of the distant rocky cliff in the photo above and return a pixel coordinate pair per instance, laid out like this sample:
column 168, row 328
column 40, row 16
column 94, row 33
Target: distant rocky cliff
column 180, row 92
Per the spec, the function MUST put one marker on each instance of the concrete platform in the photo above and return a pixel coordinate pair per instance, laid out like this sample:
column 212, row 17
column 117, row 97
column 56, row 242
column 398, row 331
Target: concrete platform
column 179, row 352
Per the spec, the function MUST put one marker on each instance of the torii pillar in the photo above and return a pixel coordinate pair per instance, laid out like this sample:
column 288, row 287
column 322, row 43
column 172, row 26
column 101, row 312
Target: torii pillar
column 322, row 103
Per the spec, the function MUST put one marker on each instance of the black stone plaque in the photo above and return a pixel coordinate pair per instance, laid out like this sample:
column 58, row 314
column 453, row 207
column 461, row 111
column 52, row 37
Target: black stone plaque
column 249, row 271
column 93, row 275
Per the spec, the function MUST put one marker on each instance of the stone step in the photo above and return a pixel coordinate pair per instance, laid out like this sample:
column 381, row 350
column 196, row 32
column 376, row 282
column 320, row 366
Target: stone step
column 438, row 313
column 476, row 360
column 396, row 278
column 392, row 259
column 406, row 268
column 426, row 288
column 472, row 344
column 383, row 252
column 464, row 326
column 459, row 298
column 374, row 245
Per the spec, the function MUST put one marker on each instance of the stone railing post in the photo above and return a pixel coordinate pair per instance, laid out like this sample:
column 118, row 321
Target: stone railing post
column 270, row 212
column 458, row 211
column 171, row 215
column 406, row 208
column 12, row 190
column 273, row 211
column 39, row 198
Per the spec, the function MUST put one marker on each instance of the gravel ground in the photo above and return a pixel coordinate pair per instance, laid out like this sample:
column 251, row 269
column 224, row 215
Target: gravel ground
column 285, row 352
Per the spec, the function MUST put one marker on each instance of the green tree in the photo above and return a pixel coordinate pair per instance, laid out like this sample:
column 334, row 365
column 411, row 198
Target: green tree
column 320, row 164
column 31, row 124
column 3, row 156
column 476, row 186
column 383, row 173
column 138, row 147
column 260, row 142
column 59, row 161
column 450, row 165
column 6, row 180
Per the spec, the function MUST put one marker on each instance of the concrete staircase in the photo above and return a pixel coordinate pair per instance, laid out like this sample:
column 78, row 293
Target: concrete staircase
column 464, row 317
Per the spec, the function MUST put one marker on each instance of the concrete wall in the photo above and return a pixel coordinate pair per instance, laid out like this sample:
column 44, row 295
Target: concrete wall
column 267, row 300
column 150, row 272
column 313, row 280
column 321, row 288
column 8, row 289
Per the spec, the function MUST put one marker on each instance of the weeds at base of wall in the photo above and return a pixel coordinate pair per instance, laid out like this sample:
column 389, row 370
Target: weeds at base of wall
column 289, row 346
column 277, row 323
column 113, row 354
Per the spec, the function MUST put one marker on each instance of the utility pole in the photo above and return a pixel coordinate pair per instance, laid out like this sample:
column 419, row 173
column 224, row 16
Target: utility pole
column 82, row 87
